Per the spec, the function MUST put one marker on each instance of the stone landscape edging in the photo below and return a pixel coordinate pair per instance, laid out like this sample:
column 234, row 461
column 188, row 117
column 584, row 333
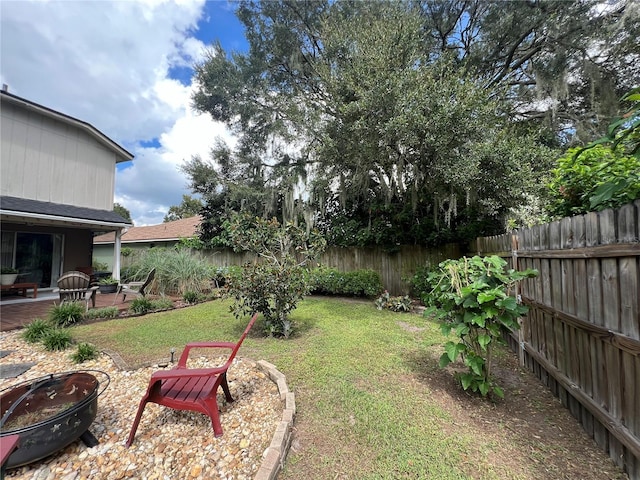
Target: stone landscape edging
column 275, row 455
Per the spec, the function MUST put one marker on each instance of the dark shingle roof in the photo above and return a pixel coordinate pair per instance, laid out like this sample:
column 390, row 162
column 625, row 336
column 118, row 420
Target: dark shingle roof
column 15, row 204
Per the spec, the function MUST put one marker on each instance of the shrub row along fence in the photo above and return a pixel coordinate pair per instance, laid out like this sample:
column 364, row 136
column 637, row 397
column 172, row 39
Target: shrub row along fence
column 581, row 336
column 395, row 268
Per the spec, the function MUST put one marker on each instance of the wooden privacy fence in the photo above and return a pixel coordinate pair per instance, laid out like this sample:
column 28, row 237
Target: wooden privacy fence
column 395, row 268
column 581, row 336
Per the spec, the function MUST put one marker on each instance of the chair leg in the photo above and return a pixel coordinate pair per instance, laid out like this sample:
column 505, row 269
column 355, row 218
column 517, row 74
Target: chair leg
column 211, row 406
column 225, row 388
column 136, row 422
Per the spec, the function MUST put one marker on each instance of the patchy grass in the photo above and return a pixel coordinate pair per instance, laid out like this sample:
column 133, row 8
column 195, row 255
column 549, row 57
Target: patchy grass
column 371, row 402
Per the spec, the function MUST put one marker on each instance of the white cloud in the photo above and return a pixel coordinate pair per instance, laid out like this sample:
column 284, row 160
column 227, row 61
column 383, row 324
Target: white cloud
column 190, row 135
column 108, row 63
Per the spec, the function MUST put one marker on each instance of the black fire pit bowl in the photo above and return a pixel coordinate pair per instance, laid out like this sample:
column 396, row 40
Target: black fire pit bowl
column 49, row 413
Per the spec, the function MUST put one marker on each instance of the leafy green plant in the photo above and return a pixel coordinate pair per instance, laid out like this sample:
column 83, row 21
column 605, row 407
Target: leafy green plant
column 67, row 313
column 85, row 351
column 330, row 281
column 106, row 312
column 191, row 297
column 395, row 304
column 99, row 266
column 277, row 280
column 592, row 180
column 126, row 251
column 37, row 329
column 56, row 339
column 472, row 296
column 8, row 271
column 108, row 281
column 624, row 131
column 141, row 305
column 162, row 303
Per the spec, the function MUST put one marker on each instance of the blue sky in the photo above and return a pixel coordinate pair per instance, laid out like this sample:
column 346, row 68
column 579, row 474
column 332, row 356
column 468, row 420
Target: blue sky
column 125, row 67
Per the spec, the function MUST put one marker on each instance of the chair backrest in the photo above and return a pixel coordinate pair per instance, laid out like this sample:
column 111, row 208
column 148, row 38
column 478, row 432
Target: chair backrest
column 244, row 334
column 73, row 280
column 148, row 281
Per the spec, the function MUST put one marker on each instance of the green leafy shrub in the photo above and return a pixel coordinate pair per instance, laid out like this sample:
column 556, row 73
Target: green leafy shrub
column 191, row 297
column 472, row 297
column 419, row 282
column 592, row 180
column 330, row 281
column 84, row 352
column 37, row 329
column 99, row 266
column 396, row 304
column 163, row 303
column 274, row 285
column 141, row 305
column 106, row 312
column 56, row 339
column 67, row 313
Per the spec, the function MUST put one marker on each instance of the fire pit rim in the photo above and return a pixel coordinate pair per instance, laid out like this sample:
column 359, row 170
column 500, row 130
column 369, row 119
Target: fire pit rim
column 50, row 377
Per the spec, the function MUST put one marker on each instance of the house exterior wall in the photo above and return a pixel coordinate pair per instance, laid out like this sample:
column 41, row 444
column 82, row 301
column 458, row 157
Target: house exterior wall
column 50, row 161
column 103, row 253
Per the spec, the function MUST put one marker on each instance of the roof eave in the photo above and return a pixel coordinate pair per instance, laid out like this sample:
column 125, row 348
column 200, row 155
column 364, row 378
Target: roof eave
column 58, row 218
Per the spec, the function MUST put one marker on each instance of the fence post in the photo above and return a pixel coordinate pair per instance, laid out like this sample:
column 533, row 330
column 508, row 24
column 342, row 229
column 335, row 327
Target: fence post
column 514, row 262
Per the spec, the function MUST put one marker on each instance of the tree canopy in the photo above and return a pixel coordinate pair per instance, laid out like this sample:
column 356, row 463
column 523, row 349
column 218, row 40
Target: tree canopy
column 122, row 211
column 189, row 207
column 405, row 122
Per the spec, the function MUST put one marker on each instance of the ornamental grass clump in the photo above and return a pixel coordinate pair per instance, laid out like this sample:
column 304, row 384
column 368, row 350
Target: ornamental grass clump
column 67, row 313
column 473, row 298
column 85, row 351
column 177, row 271
column 57, row 339
column 36, row 330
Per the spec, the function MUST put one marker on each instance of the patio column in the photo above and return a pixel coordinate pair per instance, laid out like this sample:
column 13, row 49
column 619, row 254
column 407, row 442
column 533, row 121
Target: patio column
column 116, row 255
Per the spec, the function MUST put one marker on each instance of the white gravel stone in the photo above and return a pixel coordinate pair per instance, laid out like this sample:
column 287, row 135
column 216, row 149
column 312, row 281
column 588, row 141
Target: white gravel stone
column 169, row 444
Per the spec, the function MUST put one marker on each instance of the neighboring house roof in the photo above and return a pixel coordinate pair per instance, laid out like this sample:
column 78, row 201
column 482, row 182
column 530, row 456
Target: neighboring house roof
column 164, row 232
column 34, row 210
column 122, row 154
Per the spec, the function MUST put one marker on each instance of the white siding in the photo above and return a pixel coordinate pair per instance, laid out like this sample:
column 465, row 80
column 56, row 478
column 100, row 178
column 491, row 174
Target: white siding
column 46, row 160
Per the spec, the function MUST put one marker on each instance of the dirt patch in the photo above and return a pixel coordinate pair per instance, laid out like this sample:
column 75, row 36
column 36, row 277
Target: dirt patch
column 410, row 328
column 532, row 435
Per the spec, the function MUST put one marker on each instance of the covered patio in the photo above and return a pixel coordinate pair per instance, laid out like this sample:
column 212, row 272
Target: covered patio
column 17, row 311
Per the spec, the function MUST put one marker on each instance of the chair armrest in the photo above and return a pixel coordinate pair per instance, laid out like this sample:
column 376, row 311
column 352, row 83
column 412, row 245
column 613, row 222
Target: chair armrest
column 182, row 362
column 186, row 372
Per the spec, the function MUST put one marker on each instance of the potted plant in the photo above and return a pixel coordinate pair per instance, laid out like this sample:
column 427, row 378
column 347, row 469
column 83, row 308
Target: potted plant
column 108, row 285
column 8, row 275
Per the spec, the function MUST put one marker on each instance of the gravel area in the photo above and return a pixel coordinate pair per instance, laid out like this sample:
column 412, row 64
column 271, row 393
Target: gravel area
column 169, row 444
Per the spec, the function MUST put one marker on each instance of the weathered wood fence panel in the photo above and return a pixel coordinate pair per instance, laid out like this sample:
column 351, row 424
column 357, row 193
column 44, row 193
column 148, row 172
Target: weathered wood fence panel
column 394, row 268
column 581, row 336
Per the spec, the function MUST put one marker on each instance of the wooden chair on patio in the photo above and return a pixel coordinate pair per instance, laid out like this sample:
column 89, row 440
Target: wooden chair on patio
column 75, row 286
column 193, row 389
column 135, row 288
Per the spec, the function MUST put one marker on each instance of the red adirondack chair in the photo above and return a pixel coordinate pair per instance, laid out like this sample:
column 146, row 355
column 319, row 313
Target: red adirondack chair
column 192, row 389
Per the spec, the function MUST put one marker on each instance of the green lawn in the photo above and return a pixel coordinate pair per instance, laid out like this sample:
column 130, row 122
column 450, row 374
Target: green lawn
column 362, row 410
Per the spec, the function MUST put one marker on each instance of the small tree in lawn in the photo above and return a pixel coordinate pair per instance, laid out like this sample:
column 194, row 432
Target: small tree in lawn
column 276, row 281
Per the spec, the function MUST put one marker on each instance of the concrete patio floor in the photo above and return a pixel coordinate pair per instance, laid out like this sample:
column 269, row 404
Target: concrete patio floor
column 17, row 311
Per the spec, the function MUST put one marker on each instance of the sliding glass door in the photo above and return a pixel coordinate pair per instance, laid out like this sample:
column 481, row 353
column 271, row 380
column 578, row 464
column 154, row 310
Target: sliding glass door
column 37, row 256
